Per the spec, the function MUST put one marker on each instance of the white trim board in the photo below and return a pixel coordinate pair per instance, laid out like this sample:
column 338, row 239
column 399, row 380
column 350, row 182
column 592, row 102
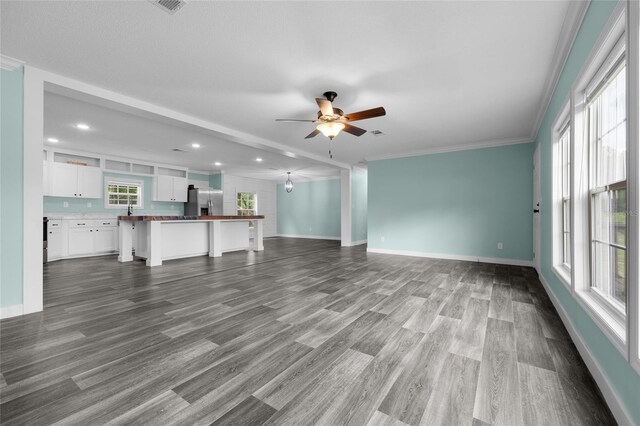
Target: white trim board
column 499, row 261
column 8, row 63
column 11, row 311
column 610, row 395
column 453, row 148
column 311, row 237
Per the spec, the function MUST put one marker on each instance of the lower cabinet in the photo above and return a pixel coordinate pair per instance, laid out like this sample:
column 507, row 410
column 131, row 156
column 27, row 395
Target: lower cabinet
column 80, row 238
column 106, row 239
column 57, row 241
column 81, row 241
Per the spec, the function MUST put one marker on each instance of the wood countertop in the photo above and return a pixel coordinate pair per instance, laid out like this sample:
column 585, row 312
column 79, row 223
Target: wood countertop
column 178, row 218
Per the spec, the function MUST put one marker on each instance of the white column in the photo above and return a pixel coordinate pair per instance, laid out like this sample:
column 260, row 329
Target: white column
column 125, row 241
column 258, row 235
column 215, row 239
column 33, row 119
column 154, row 243
column 345, row 207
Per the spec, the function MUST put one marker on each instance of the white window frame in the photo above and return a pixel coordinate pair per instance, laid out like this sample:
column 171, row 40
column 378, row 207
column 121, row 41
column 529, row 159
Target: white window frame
column 563, row 124
column 633, row 183
column 112, row 180
column 255, row 202
column 602, row 58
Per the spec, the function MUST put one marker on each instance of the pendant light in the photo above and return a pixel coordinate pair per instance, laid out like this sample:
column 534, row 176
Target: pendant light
column 288, row 185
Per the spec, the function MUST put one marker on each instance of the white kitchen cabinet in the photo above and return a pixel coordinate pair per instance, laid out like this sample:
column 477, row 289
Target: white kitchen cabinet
column 45, row 178
column 106, row 236
column 56, row 243
column 64, row 180
column 81, row 241
column 90, row 182
column 171, row 188
column 70, row 180
column 180, row 189
column 69, row 238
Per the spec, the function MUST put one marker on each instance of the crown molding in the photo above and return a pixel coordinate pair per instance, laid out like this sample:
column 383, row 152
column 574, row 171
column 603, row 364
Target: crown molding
column 454, row 148
column 10, row 64
column 570, row 27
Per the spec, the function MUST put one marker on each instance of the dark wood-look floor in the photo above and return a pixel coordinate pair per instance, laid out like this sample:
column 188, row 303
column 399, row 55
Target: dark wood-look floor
column 303, row 333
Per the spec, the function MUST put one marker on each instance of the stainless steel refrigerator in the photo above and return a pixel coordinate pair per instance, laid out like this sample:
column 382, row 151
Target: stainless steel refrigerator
column 203, row 202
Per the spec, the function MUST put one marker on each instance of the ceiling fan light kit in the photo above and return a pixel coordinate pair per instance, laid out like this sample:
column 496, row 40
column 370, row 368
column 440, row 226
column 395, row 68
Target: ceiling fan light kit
column 331, row 129
column 332, row 121
column 288, row 185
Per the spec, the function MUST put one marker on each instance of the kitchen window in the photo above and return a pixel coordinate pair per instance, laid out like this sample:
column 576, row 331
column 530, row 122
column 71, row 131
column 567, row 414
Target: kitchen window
column 247, row 204
column 123, row 194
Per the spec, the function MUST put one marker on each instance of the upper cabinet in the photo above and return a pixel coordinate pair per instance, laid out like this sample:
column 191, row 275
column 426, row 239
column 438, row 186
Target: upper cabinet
column 171, row 188
column 80, row 175
column 171, row 185
column 73, row 177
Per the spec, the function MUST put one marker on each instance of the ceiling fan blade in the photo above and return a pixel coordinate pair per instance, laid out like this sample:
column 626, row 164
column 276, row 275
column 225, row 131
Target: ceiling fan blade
column 355, row 131
column 294, row 120
column 325, row 106
column 312, row 134
column 363, row 115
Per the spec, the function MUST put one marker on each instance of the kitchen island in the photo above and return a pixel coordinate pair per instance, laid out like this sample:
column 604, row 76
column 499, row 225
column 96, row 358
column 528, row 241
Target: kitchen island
column 161, row 238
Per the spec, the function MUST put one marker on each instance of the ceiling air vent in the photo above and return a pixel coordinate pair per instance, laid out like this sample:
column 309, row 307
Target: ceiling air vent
column 376, row 133
column 178, row 150
column 169, row 6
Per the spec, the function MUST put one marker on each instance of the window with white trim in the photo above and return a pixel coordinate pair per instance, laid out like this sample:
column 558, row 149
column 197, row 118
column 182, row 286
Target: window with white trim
column 607, row 138
column 122, row 194
column 247, row 204
column 562, row 197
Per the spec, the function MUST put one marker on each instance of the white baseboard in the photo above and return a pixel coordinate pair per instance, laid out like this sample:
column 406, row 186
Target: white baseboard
column 500, row 261
column 11, row 311
column 359, row 242
column 311, row 237
column 610, row 395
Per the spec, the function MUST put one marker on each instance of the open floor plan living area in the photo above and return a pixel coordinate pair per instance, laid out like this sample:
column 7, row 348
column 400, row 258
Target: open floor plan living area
column 376, row 213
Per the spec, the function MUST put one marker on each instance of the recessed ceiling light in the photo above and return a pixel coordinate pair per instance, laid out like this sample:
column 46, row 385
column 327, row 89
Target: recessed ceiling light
column 52, row 140
column 217, row 163
column 82, row 126
column 258, row 159
column 195, row 145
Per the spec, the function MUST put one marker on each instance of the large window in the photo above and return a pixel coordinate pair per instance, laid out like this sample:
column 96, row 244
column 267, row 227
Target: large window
column 247, row 204
column 565, row 193
column 607, row 138
column 562, row 196
column 123, row 194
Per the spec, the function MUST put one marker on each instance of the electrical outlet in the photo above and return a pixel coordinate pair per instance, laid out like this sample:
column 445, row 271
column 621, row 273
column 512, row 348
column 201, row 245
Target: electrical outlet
column 499, row 246
column 89, row 204
column 153, row 206
column 310, row 228
column 65, row 204
column 172, row 207
column 382, row 239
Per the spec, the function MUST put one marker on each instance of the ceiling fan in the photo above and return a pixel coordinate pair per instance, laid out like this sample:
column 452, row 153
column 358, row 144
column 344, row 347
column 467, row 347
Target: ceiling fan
column 332, row 120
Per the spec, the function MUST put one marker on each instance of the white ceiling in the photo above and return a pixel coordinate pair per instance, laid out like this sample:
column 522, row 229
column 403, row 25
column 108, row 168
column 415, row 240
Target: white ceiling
column 141, row 136
column 448, row 73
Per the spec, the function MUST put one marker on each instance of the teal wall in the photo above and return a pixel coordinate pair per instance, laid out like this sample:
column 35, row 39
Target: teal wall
column 457, row 203
column 621, row 375
column 78, row 205
column 11, row 186
column 312, row 208
column 358, row 205
column 198, row 176
column 216, row 181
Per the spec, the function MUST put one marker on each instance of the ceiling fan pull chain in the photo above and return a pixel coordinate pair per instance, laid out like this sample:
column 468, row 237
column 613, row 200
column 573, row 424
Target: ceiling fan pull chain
column 330, row 154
